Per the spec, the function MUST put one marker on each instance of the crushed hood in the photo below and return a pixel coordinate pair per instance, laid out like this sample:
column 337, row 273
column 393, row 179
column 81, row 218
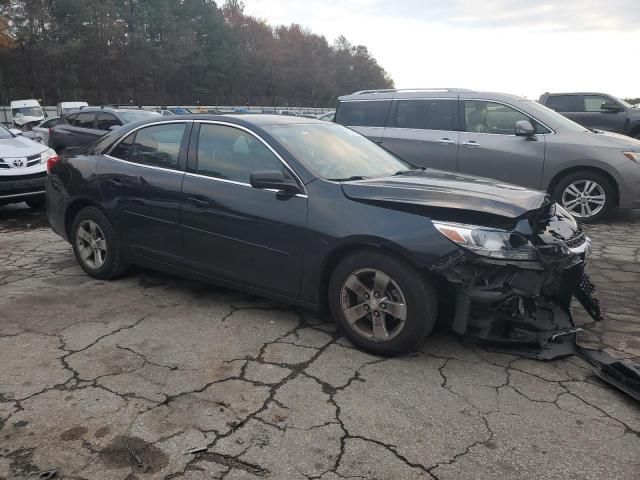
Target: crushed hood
column 436, row 188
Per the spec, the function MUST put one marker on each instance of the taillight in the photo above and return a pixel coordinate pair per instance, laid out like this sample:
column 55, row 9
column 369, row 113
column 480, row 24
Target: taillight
column 51, row 162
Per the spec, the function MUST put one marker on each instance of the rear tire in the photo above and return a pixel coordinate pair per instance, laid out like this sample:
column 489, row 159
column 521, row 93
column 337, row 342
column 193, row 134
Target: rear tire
column 95, row 244
column 587, row 195
column 382, row 303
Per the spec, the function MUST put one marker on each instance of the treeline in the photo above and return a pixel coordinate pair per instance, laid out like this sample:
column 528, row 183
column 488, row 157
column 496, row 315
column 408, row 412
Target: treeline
column 171, row 52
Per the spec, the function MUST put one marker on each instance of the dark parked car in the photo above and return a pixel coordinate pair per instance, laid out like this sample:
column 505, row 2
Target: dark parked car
column 85, row 126
column 505, row 137
column 598, row 111
column 313, row 213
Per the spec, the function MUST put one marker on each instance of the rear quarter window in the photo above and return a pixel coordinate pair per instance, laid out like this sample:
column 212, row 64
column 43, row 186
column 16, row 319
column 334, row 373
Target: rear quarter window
column 363, row 113
column 564, row 103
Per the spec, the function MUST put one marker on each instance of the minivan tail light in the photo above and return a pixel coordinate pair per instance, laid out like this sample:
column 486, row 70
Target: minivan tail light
column 51, row 162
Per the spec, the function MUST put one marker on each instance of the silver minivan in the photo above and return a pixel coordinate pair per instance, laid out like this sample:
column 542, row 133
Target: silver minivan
column 504, row 137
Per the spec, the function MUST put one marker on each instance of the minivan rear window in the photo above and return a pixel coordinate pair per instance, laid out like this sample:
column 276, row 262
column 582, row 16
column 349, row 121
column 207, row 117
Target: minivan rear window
column 363, row 113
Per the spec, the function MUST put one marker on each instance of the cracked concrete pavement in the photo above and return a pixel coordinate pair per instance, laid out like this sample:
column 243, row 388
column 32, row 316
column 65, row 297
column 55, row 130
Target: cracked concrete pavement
column 156, row 377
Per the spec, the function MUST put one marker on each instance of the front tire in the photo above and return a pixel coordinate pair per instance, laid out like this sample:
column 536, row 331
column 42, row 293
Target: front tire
column 95, row 244
column 587, row 195
column 382, row 303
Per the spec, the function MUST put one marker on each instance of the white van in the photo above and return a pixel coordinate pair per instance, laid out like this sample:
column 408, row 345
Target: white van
column 64, row 107
column 26, row 113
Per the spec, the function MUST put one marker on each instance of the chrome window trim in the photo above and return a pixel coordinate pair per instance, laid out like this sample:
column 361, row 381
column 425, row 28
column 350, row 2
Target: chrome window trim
column 551, row 130
column 368, row 100
column 153, row 167
column 264, row 142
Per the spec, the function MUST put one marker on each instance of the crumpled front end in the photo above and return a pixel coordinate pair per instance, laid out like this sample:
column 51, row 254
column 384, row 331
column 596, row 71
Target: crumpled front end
column 523, row 306
column 523, row 300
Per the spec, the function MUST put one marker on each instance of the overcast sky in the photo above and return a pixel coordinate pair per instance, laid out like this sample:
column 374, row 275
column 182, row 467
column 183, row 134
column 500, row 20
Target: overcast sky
column 525, row 47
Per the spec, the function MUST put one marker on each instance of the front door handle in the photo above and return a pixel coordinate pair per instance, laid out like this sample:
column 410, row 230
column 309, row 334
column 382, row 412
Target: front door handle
column 446, row 141
column 198, row 202
column 471, row 143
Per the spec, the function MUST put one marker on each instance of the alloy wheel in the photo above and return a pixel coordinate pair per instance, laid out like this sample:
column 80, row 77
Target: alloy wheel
column 584, row 198
column 92, row 246
column 373, row 305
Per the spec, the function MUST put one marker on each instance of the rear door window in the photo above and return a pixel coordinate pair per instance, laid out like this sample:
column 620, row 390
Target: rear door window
column 365, row 113
column 564, row 103
column 158, row 145
column 84, row 120
column 106, row 121
column 426, row 114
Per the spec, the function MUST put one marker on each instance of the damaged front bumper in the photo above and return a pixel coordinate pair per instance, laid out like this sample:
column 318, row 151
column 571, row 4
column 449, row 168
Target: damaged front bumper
column 524, row 307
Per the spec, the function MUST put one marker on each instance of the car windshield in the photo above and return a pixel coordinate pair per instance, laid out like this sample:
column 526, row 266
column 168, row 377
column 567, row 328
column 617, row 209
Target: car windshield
column 335, row 152
column 551, row 117
column 135, row 115
column 27, row 111
column 5, row 133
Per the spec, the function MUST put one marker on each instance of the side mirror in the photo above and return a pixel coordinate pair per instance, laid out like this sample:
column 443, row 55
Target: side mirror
column 610, row 107
column 16, row 131
column 524, row 128
column 113, row 127
column 275, row 180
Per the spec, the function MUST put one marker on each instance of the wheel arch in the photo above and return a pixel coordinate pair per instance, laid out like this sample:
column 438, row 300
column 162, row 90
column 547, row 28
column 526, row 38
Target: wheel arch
column 344, row 250
column 74, row 207
column 560, row 175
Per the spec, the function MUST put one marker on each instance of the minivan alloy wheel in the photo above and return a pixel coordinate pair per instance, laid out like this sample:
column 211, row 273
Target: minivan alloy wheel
column 373, row 304
column 584, row 198
column 92, row 246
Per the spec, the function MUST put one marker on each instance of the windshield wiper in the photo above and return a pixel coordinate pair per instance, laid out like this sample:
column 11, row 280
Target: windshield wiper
column 348, row 179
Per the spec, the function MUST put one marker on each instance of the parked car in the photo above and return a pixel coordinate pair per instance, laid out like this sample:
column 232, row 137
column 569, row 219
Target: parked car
column 26, row 113
column 68, row 107
column 179, row 110
column 504, row 137
column 41, row 130
column 23, row 168
column 327, row 117
column 313, row 213
column 598, row 111
column 90, row 123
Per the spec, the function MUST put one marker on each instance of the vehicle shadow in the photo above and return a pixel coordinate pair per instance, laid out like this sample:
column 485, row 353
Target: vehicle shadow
column 19, row 216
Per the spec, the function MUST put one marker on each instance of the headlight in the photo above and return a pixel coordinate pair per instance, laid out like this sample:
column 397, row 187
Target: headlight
column 47, row 154
column 488, row 242
column 635, row 156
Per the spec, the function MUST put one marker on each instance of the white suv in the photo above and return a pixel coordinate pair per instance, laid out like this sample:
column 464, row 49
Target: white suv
column 23, row 168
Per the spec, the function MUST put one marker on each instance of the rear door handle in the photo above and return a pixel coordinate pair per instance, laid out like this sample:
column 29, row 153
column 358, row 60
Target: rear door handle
column 471, row 143
column 446, row 141
column 114, row 182
column 198, row 202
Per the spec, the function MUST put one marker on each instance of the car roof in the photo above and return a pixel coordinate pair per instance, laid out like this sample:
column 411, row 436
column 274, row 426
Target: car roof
column 407, row 93
column 24, row 103
column 577, row 93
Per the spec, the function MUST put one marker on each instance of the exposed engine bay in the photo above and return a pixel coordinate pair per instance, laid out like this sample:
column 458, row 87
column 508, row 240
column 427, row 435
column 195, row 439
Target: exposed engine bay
column 519, row 297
